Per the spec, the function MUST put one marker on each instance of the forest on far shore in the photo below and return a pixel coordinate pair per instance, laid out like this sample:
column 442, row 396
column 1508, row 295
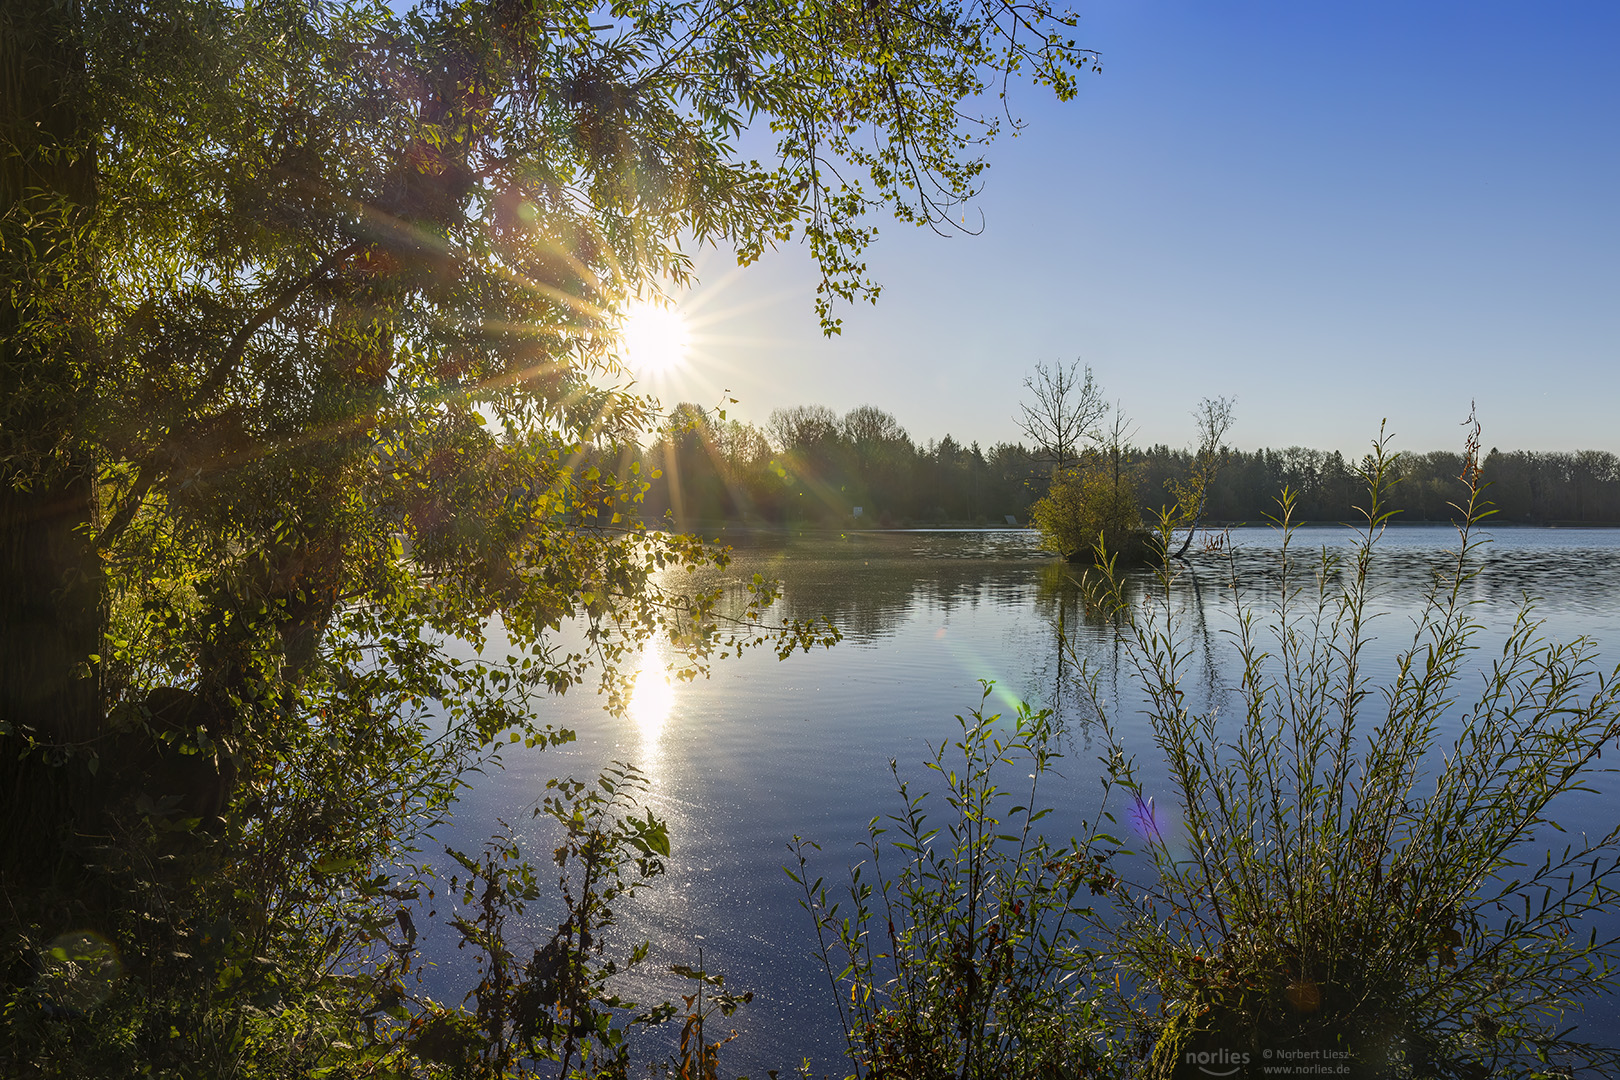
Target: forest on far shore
column 809, row 465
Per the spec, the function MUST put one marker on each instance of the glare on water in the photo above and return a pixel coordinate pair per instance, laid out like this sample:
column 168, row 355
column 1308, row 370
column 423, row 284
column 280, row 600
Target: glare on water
column 652, row 698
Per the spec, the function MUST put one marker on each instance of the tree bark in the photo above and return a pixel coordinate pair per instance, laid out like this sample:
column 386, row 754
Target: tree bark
column 52, row 593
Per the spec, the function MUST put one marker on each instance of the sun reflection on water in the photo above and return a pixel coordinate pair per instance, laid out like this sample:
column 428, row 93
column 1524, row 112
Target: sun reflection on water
column 653, row 697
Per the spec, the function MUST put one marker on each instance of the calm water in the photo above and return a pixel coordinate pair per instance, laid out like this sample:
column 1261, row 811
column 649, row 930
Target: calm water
column 765, row 749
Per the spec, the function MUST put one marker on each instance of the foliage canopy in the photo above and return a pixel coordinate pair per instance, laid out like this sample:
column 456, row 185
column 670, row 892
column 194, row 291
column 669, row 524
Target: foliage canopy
column 1087, row 510
column 307, row 368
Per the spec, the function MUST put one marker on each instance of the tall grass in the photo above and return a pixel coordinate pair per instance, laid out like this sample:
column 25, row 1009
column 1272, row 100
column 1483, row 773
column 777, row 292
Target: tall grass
column 1369, row 873
column 975, row 956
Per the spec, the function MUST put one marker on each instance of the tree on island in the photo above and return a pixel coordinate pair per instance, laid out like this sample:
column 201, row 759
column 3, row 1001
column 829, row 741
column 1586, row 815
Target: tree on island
column 1090, row 505
column 1090, row 510
column 306, row 368
column 1214, row 418
column 1063, row 412
column 1085, row 514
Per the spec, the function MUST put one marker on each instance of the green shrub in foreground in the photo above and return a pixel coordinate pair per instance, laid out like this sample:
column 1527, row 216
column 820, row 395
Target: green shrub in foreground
column 977, row 955
column 1361, row 868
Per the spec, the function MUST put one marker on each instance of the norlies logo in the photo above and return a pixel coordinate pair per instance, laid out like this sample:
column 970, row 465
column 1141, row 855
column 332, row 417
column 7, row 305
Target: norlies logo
column 1216, row 1062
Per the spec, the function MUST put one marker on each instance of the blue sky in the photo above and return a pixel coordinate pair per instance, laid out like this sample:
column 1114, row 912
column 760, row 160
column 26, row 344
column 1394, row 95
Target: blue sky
column 1334, row 212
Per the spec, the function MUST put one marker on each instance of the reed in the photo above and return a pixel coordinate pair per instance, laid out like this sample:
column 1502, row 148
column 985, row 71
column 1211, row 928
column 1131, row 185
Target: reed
column 965, row 946
column 1369, row 873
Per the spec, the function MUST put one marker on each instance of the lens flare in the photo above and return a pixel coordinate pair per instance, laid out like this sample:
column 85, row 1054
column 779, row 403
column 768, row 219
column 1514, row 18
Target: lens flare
column 78, row 970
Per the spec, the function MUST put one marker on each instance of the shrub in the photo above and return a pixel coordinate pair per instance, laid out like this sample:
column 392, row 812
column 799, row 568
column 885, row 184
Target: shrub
column 1086, row 510
column 974, row 957
column 1361, row 868
column 557, row 1013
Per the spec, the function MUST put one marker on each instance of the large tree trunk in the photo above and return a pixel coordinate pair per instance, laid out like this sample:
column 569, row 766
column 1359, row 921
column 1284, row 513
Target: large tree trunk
column 52, row 593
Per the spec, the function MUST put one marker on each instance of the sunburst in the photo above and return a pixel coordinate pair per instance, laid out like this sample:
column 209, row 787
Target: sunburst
column 654, row 338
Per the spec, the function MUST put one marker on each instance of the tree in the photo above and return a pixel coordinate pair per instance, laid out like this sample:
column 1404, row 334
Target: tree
column 1067, row 407
column 1114, row 445
column 306, row 361
column 806, row 429
column 51, row 602
column 1214, row 419
column 746, row 455
column 1087, row 502
column 1086, row 513
column 868, row 426
column 688, row 455
column 1013, row 470
column 1090, row 510
column 813, row 461
column 881, row 459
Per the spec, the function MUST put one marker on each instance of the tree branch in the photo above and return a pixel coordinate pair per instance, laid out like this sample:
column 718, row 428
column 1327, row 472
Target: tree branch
column 151, row 471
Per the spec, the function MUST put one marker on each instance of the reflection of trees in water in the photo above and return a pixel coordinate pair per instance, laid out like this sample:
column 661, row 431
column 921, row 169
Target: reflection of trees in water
column 1065, row 601
column 866, row 584
column 1576, row 581
column 1086, row 646
column 1575, row 576
column 869, row 600
column 869, row 584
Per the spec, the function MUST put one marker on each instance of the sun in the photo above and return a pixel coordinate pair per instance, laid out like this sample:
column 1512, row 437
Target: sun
column 655, row 338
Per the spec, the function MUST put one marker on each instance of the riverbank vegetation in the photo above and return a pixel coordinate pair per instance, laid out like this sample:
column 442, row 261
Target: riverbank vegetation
column 967, row 944
column 1371, row 870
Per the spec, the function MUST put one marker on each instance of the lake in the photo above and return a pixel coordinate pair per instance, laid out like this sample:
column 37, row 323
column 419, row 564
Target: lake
column 766, row 749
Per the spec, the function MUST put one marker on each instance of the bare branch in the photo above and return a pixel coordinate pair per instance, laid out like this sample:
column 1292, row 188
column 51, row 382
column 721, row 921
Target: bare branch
column 1068, row 405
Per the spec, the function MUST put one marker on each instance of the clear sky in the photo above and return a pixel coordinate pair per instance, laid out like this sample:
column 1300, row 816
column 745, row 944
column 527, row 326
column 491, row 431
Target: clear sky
column 1335, row 212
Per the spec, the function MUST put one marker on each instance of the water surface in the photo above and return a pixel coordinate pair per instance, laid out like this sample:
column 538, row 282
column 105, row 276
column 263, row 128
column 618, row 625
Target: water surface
column 764, row 750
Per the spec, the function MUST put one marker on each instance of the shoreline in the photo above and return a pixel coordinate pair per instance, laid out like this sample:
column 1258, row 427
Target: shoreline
column 762, row 529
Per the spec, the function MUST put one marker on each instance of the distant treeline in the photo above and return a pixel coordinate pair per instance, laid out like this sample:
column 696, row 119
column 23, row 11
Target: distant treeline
column 1527, row 487
column 809, row 465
